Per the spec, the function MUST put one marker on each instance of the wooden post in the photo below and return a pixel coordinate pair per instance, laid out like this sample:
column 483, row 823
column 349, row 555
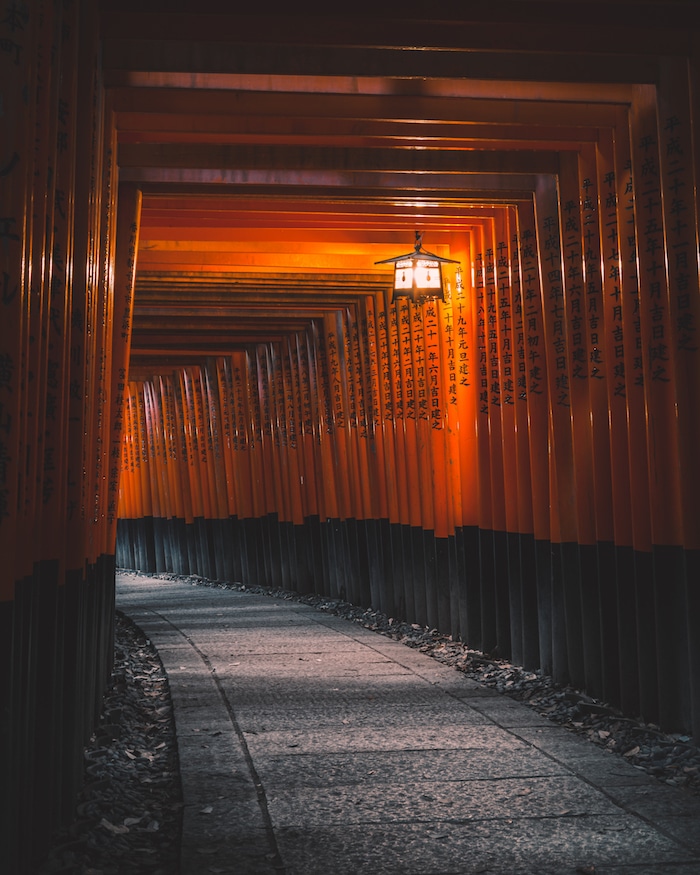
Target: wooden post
column 680, row 211
column 567, row 656
column 484, row 280
column 585, row 365
column 18, row 112
column 127, row 241
column 537, row 419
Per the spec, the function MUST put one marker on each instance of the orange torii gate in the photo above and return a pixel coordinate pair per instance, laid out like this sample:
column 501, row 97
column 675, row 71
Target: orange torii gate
column 516, row 465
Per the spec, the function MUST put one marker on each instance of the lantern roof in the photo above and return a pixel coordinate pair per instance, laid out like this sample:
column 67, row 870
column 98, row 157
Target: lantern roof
column 418, row 252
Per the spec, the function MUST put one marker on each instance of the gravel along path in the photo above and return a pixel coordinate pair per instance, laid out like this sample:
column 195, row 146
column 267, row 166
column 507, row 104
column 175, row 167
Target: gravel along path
column 128, row 817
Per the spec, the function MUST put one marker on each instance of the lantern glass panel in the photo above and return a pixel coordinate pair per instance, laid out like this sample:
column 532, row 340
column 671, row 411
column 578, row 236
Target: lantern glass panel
column 428, row 274
column 403, row 274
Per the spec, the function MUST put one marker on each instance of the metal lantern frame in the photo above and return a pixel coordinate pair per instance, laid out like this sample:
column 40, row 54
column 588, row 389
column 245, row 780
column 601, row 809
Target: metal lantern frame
column 418, row 274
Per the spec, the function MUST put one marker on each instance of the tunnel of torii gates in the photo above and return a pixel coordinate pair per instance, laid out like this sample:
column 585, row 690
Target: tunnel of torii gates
column 202, row 370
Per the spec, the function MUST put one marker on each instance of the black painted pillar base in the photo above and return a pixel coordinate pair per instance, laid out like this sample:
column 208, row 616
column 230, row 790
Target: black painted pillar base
column 315, row 544
column 515, row 596
column 454, row 583
column 692, row 577
column 237, row 551
column 648, row 678
column 530, row 606
column 148, row 547
column 444, row 588
column 471, row 606
column 487, row 586
column 178, row 540
column 560, row 658
column 56, row 647
column 545, row 605
column 9, row 762
column 159, row 547
column 591, row 618
column 430, row 582
column 626, row 631
column 254, row 551
column 500, row 571
column 403, row 547
column 46, row 712
column 609, row 623
column 393, row 563
column 378, row 583
column 191, row 546
column 350, row 540
column 673, row 653
column 416, row 569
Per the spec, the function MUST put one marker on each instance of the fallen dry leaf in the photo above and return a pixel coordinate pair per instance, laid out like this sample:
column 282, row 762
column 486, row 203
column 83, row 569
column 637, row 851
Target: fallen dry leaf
column 113, row 828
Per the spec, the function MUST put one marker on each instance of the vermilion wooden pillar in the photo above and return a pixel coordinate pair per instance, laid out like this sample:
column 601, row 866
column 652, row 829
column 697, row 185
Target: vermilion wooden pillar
column 127, row 237
column 567, row 653
column 664, row 603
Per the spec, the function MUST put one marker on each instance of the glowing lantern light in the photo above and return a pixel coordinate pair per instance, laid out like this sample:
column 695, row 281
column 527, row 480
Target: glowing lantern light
column 418, row 275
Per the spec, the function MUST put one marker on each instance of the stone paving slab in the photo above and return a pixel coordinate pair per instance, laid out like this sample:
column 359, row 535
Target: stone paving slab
column 431, row 801
column 400, row 767
column 346, row 664
column 291, row 690
column 502, row 847
column 508, row 713
column 374, row 714
column 657, row 800
column 442, row 736
column 689, row 868
column 311, row 745
column 584, row 758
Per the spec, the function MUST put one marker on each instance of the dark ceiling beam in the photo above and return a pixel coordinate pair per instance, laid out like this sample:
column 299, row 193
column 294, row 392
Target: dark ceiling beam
column 134, row 61
column 286, row 289
column 366, row 132
column 280, row 253
column 526, row 140
column 659, row 27
column 200, row 336
column 282, row 182
column 154, row 236
column 147, row 362
column 500, row 192
column 535, row 107
column 234, row 311
column 275, row 211
column 271, row 159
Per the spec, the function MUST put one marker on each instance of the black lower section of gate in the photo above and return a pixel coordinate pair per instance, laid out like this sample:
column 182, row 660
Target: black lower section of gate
column 57, row 640
column 619, row 624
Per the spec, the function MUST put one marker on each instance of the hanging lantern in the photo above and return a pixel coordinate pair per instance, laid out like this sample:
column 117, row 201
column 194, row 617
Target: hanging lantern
column 418, row 275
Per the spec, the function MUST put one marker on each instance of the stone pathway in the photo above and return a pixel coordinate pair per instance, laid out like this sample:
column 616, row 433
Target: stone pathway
column 310, row 745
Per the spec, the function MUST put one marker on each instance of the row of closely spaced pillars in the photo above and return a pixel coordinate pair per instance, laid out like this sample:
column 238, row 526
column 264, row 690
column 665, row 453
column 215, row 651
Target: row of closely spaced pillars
column 517, row 466
column 65, row 296
column 474, row 464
